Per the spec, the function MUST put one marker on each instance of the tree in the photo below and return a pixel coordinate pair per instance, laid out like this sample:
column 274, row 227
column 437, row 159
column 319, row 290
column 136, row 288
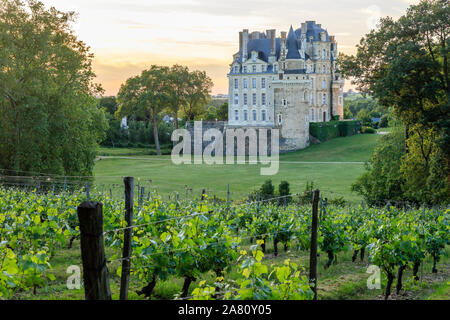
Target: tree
column 178, row 79
column 222, row 112
column 49, row 120
column 145, row 96
column 404, row 64
column 383, row 180
column 109, row 104
column 197, row 94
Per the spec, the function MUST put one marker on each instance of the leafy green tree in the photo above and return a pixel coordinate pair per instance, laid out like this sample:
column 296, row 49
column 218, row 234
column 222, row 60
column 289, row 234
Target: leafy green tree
column 109, row 104
column 145, row 96
column 198, row 88
column 178, row 79
column 383, row 180
column 222, row 112
column 49, row 120
column 404, row 64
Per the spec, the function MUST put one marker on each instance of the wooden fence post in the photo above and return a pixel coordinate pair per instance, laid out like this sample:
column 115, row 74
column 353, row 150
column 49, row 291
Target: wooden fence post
column 125, row 278
column 95, row 272
column 313, row 251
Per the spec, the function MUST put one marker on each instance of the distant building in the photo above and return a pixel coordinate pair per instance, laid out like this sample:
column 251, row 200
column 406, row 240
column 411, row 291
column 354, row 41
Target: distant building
column 124, row 124
column 285, row 82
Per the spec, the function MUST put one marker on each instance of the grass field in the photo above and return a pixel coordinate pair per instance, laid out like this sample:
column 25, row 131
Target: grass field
column 333, row 166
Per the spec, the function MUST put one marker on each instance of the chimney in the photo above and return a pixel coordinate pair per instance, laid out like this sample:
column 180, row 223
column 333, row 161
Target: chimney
column 304, row 28
column 240, row 41
column 283, row 45
column 271, row 36
column 244, row 44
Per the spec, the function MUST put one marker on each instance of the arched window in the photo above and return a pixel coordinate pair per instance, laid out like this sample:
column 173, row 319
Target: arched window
column 254, row 115
column 263, row 115
column 324, row 98
column 236, row 115
column 305, row 96
column 245, row 115
column 311, row 115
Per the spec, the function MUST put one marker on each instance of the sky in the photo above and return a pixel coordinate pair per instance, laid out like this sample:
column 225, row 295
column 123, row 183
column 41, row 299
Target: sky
column 127, row 36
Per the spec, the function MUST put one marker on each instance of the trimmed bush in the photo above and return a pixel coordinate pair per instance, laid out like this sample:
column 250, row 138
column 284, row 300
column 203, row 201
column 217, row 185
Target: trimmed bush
column 325, row 131
column 368, row 130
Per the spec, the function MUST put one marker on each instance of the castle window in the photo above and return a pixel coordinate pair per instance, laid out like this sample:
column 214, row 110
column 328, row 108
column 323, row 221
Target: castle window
column 283, row 102
column 236, row 83
column 312, row 83
column 236, row 99
column 311, row 98
column 245, row 99
column 280, row 119
column 245, row 83
column 263, row 83
column 263, row 115
column 254, row 115
column 254, row 83
column 245, row 69
column 245, row 115
column 254, row 99
column 305, row 96
column 324, row 84
column 254, row 69
column 324, row 98
column 324, row 54
column 275, row 68
column 263, row 99
column 311, row 115
column 236, row 115
column 323, row 69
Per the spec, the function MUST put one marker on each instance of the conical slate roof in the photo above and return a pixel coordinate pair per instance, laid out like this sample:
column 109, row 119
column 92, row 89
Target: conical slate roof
column 292, row 45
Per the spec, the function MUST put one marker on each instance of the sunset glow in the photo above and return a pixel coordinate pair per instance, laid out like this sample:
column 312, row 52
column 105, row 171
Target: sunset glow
column 127, row 36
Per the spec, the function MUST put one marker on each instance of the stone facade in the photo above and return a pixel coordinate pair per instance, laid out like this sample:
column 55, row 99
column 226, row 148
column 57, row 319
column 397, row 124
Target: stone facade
column 285, row 82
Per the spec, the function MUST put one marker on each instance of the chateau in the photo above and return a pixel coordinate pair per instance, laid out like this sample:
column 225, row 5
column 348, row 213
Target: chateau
column 285, row 83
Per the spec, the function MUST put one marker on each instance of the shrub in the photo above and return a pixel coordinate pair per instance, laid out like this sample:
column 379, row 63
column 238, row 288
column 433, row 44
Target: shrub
column 368, row 130
column 267, row 190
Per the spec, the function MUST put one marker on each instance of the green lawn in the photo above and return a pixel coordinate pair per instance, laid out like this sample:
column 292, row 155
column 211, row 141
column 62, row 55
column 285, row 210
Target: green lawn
column 340, row 164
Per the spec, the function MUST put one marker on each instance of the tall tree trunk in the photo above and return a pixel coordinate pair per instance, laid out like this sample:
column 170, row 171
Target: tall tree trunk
column 176, row 119
column 155, row 134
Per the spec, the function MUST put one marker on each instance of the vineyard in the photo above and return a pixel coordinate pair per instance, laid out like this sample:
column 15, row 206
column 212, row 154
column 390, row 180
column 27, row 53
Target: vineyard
column 215, row 249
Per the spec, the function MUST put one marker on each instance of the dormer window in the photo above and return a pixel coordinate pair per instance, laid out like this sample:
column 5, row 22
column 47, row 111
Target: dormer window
column 245, row 69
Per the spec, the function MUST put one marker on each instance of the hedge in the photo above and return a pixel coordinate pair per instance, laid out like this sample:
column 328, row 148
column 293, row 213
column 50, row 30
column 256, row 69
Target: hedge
column 329, row 130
